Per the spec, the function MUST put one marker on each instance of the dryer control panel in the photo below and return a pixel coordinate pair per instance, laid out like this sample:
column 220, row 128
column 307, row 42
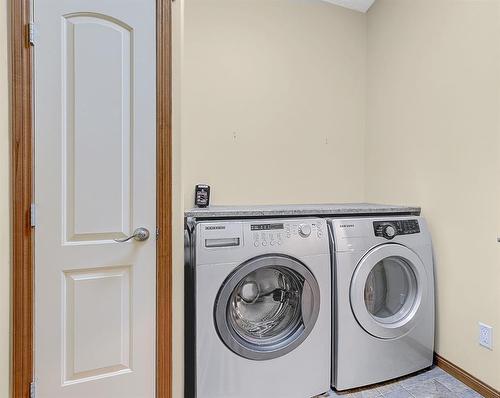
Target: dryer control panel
column 390, row 229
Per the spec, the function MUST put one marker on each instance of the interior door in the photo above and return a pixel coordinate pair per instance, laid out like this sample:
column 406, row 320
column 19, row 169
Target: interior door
column 95, row 183
column 387, row 291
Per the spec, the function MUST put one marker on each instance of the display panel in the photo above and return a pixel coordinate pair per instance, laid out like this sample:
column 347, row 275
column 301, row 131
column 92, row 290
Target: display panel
column 266, row 227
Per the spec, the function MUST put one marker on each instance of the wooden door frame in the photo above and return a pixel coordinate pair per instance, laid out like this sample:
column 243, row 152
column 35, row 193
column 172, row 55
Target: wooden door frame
column 22, row 196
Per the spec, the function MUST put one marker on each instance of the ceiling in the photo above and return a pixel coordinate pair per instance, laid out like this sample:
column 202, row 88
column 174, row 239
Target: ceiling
column 358, row 5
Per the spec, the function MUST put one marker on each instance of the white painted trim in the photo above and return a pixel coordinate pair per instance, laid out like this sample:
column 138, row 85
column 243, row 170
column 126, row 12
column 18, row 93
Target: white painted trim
column 358, row 5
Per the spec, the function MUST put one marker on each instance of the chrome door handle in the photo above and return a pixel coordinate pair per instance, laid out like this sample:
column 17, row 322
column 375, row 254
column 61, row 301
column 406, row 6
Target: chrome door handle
column 140, row 235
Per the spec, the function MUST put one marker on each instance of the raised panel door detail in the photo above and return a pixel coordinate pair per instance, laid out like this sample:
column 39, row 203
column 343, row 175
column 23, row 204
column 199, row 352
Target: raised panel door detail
column 95, row 181
column 97, row 128
column 97, row 316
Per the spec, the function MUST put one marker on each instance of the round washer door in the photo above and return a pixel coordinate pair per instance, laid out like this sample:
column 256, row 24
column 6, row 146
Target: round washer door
column 387, row 290
column 267, row 307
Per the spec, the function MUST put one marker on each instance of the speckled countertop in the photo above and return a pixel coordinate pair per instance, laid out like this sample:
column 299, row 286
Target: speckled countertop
column 333, row 209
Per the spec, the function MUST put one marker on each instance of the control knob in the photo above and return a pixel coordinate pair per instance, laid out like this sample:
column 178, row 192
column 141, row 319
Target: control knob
column 304, row 230
column 389, row 232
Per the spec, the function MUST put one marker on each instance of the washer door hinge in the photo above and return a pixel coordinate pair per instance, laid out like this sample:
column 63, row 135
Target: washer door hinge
column 157, row 233
column 32, row 389
column 33, row 215
column 31, row 33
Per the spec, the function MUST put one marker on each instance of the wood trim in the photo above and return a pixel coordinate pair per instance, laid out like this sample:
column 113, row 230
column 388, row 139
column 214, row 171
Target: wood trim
column 22, row 191
column 22, row 197
column 473, row 382
column 164, row 200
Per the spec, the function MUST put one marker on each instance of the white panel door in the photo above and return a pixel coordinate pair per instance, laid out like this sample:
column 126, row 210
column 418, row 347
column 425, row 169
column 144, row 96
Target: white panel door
column 95, row 182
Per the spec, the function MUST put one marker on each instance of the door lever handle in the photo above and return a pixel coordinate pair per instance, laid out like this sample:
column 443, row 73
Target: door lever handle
column 140, row 235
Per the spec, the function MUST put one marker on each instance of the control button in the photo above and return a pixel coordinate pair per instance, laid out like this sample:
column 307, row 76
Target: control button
column 272, row 243
column 304, row 230
column 389, row 232
column 320, row 234
column 264, row 243
column 280, row 243
column 256, row 244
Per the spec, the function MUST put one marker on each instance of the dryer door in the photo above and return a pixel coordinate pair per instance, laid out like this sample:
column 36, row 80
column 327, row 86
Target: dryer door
column 387, row 290
column 267, row 307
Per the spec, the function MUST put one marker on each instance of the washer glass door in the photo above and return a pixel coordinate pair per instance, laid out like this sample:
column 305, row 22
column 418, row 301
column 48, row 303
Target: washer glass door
column 387, row 289
column 267, row 307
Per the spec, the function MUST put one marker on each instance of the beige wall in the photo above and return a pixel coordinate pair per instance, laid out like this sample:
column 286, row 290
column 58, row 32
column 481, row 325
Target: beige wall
column 4, row 209
column 432, row 139
column 273, row 101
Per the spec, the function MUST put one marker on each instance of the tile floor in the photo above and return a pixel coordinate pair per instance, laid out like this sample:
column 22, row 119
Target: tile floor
column 431, row 383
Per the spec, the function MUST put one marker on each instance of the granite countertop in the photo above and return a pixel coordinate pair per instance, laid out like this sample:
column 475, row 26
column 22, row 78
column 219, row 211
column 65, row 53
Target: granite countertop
column 333, row 209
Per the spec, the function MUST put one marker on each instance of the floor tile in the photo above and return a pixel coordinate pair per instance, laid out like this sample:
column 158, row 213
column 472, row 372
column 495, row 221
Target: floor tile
column 436, row 371
column 399, row 393
column 469, row 394
column 451, row 383
column 388, row 387
column 431, row 383
column 420, row 377
column 430, row 389
column 366, row 393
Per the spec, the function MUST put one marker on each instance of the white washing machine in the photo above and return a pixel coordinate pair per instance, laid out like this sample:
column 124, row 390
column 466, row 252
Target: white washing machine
column 384, row 299
column 261, row 314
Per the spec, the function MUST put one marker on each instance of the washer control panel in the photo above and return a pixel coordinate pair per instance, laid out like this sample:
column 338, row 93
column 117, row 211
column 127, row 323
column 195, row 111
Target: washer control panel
column 275, row 234
column 236, row 241
column 390, row 229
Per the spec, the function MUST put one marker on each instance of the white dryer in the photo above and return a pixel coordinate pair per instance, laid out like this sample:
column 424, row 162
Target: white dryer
column 261, row 311
column 384, row 299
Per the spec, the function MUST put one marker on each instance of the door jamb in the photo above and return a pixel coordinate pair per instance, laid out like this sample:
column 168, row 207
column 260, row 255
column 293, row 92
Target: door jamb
column 164, row 199
column 22, row 134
